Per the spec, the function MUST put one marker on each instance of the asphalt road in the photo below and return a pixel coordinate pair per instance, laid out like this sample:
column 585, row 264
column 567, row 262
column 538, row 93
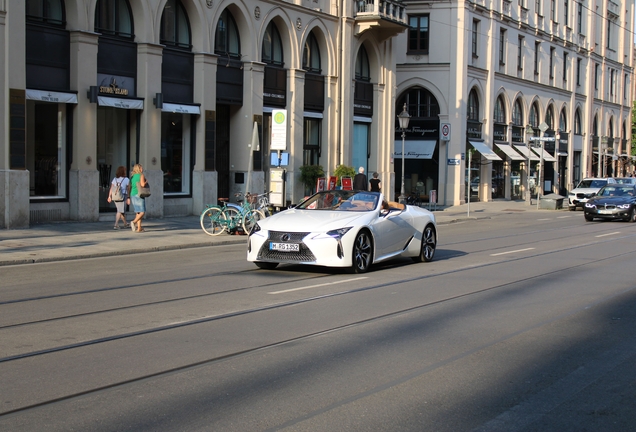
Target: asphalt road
column 523, row 322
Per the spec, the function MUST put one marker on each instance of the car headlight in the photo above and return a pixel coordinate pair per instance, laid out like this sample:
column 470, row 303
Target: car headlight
column 623, row 206
column 590, row 205
column 335, row 234
column 256, row 228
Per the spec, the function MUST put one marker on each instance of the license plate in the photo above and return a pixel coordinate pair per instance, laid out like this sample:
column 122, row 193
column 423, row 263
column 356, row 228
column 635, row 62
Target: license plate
column 605, row 212
column 284, row 247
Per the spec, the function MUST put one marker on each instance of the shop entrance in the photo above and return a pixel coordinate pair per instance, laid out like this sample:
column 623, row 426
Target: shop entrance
column 113, row 149
column 223, row 150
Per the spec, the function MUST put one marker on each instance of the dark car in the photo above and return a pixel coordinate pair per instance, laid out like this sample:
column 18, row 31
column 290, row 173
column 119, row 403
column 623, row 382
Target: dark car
column 613, row 201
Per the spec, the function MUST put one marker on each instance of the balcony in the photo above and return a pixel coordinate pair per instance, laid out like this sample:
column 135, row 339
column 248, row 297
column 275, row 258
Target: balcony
column 613, row 9
column 387, row 16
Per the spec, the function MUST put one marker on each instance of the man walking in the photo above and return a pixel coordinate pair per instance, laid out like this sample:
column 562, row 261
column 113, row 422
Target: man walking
column 360, row 181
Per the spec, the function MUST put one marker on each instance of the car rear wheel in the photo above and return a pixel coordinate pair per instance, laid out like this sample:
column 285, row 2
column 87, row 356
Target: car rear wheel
column 266, row 265
column 429, row 244
column 362, row 253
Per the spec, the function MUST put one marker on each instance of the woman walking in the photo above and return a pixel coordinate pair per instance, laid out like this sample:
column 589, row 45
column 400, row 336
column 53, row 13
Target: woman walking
column 375, row 183
column 119, row 182
column 137, row 178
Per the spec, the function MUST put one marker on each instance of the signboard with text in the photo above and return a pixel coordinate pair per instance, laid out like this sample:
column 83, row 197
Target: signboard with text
column 279, row 130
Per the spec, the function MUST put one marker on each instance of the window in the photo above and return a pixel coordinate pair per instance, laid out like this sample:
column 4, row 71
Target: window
column 175, row 28
column 596, row 66
column 563, row 121
column 502, row 47
column 625, row 86
column 311, row 141
column 500, row 111
column 418, row 34
column 579, row 17
column 566, row 11
column 553, row 10
column 578, row 71
column 272, row 52
column 475, row 34
column 520, row 53
column 534, row 116
column 552, row 63
column 311, row 55
column 46, row 11
column 473, row 106
column 577, row 123
column 608, row 43
column 565, row 67
column 537, row 7
column 517, row 113
column 421, row 103
column 537, row 46
column 612, row 85
column 114, row 18
column 363, row 70
column 226, row 37
column 549, row 117
column 175, row 152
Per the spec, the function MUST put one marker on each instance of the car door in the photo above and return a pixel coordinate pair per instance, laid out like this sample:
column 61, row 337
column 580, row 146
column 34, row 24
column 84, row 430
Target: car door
column 391, row 232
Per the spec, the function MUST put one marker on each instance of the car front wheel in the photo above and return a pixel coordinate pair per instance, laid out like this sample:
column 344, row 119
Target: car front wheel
column 588, row 218
column 362, row 252
column 429, row 244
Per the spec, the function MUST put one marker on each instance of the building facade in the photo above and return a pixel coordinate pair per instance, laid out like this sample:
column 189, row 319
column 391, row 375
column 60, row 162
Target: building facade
column 481, row 77
column 179, row 86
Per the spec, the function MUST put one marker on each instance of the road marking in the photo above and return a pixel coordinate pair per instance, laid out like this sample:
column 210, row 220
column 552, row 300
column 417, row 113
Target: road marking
column 608, row 234
column 563, row 217
column 319, row 285
column 509, row 252
column 544, row 219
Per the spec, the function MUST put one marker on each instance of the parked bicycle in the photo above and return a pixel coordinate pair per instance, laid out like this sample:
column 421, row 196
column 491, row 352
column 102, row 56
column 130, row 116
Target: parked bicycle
column 216, row 219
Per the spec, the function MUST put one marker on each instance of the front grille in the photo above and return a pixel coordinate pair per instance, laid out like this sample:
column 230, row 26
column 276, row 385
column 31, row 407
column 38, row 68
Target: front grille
column 303, row 255
column 609, row 207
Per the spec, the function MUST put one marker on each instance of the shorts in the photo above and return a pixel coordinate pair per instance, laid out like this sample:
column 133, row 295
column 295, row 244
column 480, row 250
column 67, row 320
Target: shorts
column 138, row 203
column 120, row 206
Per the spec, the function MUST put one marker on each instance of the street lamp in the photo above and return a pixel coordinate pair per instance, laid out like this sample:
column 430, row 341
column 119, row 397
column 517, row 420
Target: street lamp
column 529, row 136
column 403, row 118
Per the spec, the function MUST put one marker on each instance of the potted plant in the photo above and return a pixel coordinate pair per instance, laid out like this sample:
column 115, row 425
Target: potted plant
column 309, row 175
column 343, row 171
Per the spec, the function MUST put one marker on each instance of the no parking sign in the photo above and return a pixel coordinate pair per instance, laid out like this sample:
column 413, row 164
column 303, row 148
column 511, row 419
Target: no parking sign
column 445, row 132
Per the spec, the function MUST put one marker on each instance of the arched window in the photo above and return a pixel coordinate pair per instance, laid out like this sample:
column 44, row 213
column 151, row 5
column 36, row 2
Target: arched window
column 534, row 116
column 595, row 126
column 175, row 28
column 517, row 113
column 226, row 39
column 363, row 71
column 549, row 118
column 421, row 103
column 473, row 106
column 577, row 123
column 272, row 46
column 46, row 11
column 610, row 128
column 114, row 18
column 311, row 55
column 563, row 121
column 500, row 111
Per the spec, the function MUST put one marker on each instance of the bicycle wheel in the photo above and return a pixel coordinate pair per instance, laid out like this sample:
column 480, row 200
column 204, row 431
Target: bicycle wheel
column 213, row 221
column 250, row 218
column 234, row 219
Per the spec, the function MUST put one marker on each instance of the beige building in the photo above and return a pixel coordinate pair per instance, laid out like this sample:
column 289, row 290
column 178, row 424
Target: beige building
column 178, row 86
column 495, row 73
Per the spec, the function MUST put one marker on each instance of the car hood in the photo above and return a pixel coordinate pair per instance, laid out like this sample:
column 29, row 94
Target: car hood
column 610, row 200
column 585, row 190
column 294, row 220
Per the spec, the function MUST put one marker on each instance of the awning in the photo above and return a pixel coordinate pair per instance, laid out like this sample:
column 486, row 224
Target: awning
column 49, row 96
column 414, row 149
column 525, row 152
column 120, row 102
column 180, row 108
column 510, row 152
column 547, row 157
column 484, row 150
column 562, row 153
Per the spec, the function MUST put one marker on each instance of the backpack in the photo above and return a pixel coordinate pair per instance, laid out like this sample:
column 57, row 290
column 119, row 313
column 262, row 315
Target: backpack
column 116, row 194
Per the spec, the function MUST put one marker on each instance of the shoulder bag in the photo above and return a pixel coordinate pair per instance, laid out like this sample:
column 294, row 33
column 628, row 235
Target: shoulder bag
column 144, row 192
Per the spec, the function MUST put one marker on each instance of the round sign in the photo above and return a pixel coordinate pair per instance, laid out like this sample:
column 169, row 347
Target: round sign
column 445, row 130
column 279, row 118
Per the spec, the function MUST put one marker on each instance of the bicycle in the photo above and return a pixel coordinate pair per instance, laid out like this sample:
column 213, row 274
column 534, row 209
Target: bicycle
column 228, row 217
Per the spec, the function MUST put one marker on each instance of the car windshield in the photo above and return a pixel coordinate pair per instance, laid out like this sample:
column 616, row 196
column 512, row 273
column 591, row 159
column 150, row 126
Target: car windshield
column 586, row 184
column 625, row 180
column 616, row 190
column 341, row 200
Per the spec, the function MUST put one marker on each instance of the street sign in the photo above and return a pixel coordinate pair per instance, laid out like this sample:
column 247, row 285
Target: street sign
column 445, row 132
column 453, row 162
column 550, row 139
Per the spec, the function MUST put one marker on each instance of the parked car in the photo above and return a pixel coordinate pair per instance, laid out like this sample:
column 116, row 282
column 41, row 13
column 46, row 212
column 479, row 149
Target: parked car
column 340, row 228
column 585, row 190
column 613, row 201
column 625, row 180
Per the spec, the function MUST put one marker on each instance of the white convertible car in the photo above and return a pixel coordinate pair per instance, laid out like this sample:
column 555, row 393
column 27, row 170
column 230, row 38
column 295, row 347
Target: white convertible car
column 343, row 229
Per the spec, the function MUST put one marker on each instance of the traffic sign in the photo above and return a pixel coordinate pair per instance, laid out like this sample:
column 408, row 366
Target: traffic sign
column 445, row 132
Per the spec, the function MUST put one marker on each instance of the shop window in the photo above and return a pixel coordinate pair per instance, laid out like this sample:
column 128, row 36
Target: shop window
column 46, row 149
column 175, row 153
column 311, row 141
column 175, row 28
column 114, row 18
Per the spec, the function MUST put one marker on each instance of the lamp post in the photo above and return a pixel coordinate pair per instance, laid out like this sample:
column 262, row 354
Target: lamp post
column 529, row 136
column 403, row 118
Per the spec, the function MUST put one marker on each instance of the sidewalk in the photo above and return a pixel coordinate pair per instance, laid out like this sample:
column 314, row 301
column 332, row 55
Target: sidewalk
column 73, row 240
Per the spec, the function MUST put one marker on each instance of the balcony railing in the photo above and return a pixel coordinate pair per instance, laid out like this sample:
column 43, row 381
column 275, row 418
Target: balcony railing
column 389, row 9
column 613, row 8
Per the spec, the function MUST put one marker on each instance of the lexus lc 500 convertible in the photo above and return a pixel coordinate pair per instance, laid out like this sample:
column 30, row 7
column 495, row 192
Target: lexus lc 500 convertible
column 340, row 228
